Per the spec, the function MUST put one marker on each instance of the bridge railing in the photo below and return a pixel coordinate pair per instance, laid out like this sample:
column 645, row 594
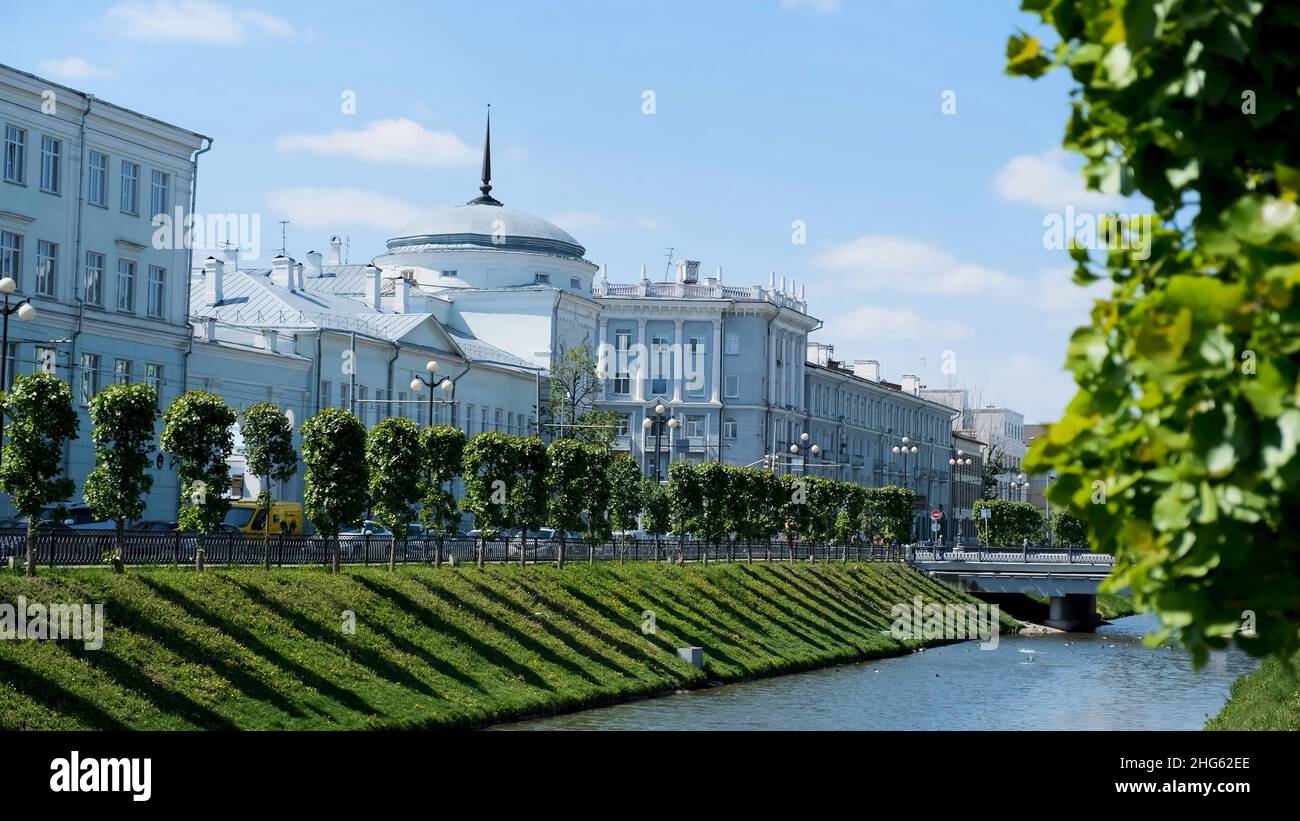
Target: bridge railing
column 1012, row 555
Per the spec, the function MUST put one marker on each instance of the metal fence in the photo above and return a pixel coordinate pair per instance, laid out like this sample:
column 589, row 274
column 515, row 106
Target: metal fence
column 66, row 546
column 1030, row 555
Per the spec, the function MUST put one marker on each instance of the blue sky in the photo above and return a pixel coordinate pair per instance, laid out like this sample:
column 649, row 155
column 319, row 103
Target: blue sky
column 924, row 230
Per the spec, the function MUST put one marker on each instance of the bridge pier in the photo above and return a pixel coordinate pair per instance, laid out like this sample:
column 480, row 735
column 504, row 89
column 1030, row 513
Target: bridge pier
column 1073, row 612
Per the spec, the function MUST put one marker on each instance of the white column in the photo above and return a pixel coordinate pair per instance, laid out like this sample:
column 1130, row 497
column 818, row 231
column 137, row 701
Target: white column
column 679, row 358
column 602, row 357
column 638, row 373
column 718, row 353
column 771, row 369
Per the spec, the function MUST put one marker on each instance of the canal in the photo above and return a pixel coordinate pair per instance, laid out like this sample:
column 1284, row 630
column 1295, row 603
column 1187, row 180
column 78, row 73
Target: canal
column 1106, row 680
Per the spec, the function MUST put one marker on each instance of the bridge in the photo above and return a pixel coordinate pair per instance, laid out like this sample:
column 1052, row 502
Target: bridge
column 1067, row 576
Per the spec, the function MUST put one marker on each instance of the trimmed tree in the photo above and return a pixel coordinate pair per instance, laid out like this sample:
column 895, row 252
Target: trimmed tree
column 490, row 470
column 197, row 433
column 887, row 513
column 1009, row 524
column 1068, row 530
column 794, row 508
column 595, row 512
column 268, row 450
column 848, row 522
column 41, row 422
column 566, row 482
column 337, row 478
column 529, row 494
column 625, row 499
column 715, row 489
column 657, row 512
column 443, row 450
column 397, row 466
column 686, row 503
column 124, row 417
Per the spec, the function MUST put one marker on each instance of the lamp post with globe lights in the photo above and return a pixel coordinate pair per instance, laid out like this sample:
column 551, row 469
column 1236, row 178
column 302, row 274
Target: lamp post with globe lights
column 957, row 460
column 26, row 312
column 449, row 385
column 802, row 448
column 661, row 416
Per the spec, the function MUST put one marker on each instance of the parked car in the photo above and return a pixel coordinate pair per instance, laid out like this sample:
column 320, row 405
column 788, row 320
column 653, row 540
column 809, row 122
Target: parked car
column 154, row 526
column 77, row 517
column 352, row 539
column 286, row 517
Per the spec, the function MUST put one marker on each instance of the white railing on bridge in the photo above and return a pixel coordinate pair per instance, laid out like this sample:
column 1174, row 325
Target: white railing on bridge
column 1033, row 555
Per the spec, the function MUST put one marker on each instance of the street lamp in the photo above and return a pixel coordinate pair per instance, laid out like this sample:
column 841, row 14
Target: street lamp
column 661, row 416
column 955, row 461
column 1020, row 483
column 906, row 448
column 447, row 384
column 27, row 313
column 803, row 448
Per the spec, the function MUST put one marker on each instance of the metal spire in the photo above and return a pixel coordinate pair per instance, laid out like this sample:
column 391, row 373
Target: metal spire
column 486, row 187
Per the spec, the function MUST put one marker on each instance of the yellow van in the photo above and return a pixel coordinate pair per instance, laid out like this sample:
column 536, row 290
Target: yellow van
column 286, row 517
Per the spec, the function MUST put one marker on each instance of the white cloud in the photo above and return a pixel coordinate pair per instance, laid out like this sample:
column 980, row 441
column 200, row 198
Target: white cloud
column 1056, row 292
column 883, row 262
column 574, row 221
column 872, row 323
column 648, row 223
column 395, row 142
column 824, row 6
column 198, row 21
column 1047, row 181
column 75, row 68
column 331, row 207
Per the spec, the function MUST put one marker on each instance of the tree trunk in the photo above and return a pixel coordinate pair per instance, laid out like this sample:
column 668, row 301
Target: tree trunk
column 480, row 547
column 749, row 551
column 769, row 548
column 120, row 545
column 437, row 551
column 392, row 552
column 591, row 551
column 334, row 548
column 30, row 568
column 559, row 554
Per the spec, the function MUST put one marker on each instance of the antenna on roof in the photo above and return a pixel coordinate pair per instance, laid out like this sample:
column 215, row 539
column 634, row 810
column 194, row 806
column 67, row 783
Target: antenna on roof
column 284, row 238
column 347, row 248
column 668, row 269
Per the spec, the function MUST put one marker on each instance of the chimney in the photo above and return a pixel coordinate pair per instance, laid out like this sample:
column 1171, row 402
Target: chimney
column 296, row 281
column 336, row 251
column 231, row 257
column 867, row 369
column 313, row 268
column 911, row 383
column 271, row 339
column 210, row 328
column 282, row 271
column 400, row 301
column 213, row 272
column 688, row 271
column 373, row 281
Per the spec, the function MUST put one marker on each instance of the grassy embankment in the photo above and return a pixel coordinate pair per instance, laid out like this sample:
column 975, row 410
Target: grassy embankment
column 248, row 648
column 1267, row 699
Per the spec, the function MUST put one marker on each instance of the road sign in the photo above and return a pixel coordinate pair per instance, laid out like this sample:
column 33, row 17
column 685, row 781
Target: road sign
column 936, row 514
column 985, row 513
column 934, row 526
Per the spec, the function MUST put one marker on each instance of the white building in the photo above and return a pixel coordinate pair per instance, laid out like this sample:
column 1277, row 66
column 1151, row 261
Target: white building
column 81, row 182
column 1001, row 431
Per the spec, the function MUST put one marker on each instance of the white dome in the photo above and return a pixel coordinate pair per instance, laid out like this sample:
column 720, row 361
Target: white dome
column 486, row 226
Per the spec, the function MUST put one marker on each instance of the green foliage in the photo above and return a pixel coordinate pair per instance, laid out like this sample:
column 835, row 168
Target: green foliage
column 567, row 481
column 657, row 506
column 268, row 451
column 40, row 421
column 123, row 416
column 196, row 431
column 824, row 500
column 887, row 513
column 334, row 449
column 625, row 496
column 574, row 387
column 596, row 508
column 529, row 495
column 443, row 450
column 792, row 501
column 397, row 465
column 1009, row 523
column 848, row 522
column 712, row 519
column 1180, row 448
column 1068, row 530
column 685, row 498
column 491, row 470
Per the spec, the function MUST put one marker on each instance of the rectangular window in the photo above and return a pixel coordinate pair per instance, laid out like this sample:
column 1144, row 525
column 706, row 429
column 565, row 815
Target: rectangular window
column 363, row 407
column 125, row 285
column 447, row 273
column 541, row 278
column 624, row 422
column 11, row 364
column 575, row 283
column 153, row 377
column 345, row 395
column 130, row 188
column 729, row 429
column 660, row 364
column 482, row 419
column 157, row 292
column 732, row 386
column 694, row 427
column 97, row 180
column 403, row 408
column 326, row 387
column 159, row 183
column 122, row 371
column 469, row 419
column 47, row 267
column 89, row 377
column 733, row 344
column 15, row 154
column 51, row 151
column 11, row 257
column 95, row 278
column 622, row 377
column 496, row 419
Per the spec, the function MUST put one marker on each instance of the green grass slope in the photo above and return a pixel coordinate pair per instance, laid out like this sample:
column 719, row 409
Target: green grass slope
column 1267, row 699
column 248, row 648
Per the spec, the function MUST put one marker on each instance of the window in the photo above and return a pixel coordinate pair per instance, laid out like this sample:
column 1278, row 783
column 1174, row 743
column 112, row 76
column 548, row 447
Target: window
column 89, row 377
column 95, row 278
column 622, row 378
column 496, row 419
column 363, row 407
column 733, row 345
column 482, row 419
column 401, row 404
column 447, row 273
column 381, row 407
column 660, row 364
column 15, row 155
column 97, row 182
column 469, row 419
column 157, row 291
column 11, row 256
column 510, row 422
column 160, row 181
column 345, row 395
column 11, row 364
column 46, row 360
column 693, row 366
column 541, row 278
column 729, row 429
column 130, row 188
column 153, row 377
column 623, row 424
column 575, row 283
column 122, row 371
column 50, row 151
column 326, row 387
column 732, row 383
column 47, row 267
column 125, row 285
column 694, row 427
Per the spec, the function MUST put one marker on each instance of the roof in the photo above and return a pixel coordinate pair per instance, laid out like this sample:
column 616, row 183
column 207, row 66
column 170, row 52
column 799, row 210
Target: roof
column 476, row 350
column 486, row 226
